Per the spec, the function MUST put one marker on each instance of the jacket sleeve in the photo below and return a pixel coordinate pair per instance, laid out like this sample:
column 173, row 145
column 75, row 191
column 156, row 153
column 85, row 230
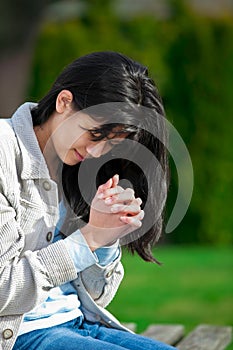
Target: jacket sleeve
column 102, row 282
column 102, row 278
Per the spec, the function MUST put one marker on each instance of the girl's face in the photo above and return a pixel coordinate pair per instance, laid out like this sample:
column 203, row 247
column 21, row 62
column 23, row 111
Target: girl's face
column 73, row 143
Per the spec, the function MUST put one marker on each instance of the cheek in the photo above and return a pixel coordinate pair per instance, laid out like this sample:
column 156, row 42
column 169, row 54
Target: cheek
column 68, row 137
column 61, row 143
column 107, row 148
column 79, row 143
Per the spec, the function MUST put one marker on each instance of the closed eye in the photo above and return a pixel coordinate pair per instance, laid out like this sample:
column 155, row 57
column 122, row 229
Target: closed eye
column 113, row 143
column 96, row 136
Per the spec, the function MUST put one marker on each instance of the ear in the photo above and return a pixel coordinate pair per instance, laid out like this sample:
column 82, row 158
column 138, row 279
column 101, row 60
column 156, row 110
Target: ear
column 63, row 101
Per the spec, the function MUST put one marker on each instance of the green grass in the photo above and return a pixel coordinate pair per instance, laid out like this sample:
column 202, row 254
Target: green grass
column 193, row 286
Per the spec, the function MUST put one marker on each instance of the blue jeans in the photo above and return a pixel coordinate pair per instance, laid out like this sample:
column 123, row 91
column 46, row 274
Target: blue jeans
column 87, row 336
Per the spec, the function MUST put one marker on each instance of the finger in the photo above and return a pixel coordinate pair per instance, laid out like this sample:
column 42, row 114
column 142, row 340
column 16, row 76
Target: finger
column 141, row 215
column 109, row 192
column 105, row 186
column 115, row 180
column 125, row 196
column 128, row 209
column 133, row 220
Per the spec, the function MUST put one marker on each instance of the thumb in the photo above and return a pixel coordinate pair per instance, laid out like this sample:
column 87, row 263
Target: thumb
column 115, row 180
column 105, row 186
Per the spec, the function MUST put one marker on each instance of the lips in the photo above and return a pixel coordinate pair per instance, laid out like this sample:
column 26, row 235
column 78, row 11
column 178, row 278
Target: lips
column 78, row 156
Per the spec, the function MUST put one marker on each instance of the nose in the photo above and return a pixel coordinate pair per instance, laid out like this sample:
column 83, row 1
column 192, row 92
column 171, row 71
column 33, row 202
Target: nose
column 97, row 149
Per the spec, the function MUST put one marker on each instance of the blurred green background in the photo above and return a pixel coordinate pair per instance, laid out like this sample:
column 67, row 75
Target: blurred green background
column 188, row 47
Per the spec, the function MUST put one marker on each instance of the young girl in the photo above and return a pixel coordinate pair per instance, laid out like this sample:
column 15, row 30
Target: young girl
column 60, row 237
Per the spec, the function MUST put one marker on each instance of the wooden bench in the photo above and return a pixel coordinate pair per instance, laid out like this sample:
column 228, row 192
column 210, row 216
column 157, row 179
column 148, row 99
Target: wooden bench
column 203, row 337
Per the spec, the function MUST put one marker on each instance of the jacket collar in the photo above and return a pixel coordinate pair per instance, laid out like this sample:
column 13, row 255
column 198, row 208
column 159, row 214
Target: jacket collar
column 33, row 161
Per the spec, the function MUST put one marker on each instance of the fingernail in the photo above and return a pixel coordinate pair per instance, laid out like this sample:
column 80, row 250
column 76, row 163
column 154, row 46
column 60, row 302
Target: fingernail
column 124, row 219
column 100, row 196
column 108, row 200
column 115, row 208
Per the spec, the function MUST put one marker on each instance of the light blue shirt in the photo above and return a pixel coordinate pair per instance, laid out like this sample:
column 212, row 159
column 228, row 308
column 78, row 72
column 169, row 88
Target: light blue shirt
column 62, row 304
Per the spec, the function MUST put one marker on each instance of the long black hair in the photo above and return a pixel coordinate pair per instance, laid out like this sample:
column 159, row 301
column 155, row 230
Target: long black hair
column 110, row 78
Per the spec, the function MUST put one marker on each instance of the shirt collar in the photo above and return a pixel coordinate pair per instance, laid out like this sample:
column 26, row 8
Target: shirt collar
column 33, row 161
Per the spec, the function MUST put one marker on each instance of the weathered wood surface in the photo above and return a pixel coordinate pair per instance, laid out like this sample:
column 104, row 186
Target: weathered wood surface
column 131, row 325
column 203, row 337
column 169, row 334
column 206, row 337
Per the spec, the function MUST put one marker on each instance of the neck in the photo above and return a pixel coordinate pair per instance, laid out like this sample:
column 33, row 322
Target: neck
column 47, row 148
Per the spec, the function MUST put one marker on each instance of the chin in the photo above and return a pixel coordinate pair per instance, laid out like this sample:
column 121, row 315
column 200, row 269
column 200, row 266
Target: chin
column 70, row 162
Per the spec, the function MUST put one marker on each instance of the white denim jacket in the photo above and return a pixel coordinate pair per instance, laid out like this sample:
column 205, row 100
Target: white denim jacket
column 30, row 265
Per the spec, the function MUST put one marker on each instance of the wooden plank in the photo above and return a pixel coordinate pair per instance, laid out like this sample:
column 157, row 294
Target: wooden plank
column 169, row 334
column 130, row 325
column 206, row 337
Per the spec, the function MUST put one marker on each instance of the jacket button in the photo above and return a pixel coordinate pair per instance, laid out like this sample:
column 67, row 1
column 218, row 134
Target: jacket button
column 49, row 236
column 7, row 333
column 46, row 185
column 109, row 274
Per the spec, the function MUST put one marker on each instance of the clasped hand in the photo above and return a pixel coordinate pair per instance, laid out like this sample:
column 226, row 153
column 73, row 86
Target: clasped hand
column 114, row 213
